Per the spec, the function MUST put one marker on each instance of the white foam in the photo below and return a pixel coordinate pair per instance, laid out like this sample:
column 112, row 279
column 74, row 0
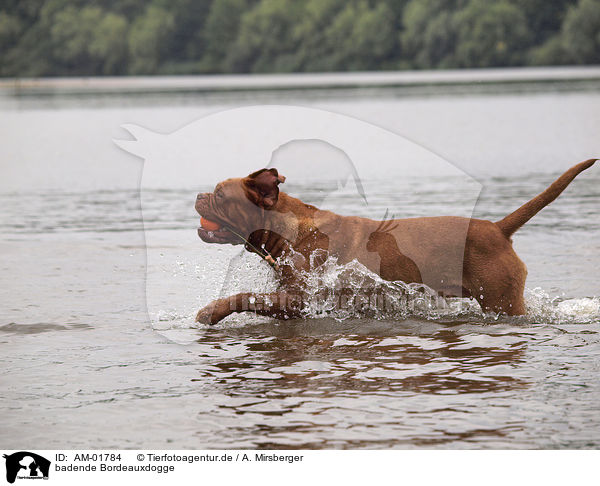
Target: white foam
column 541, row 307
column 352, row 291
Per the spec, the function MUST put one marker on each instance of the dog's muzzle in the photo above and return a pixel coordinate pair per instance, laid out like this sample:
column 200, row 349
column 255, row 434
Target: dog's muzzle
column 222, row 235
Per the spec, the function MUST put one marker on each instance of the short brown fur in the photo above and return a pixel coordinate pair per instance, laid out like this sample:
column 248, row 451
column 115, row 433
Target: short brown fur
column 454, row 256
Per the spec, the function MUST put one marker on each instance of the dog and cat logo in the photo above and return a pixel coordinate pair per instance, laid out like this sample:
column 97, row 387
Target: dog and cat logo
column 26, row 465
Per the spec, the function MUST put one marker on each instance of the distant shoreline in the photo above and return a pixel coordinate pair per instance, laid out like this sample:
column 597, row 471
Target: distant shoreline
column 263, row 82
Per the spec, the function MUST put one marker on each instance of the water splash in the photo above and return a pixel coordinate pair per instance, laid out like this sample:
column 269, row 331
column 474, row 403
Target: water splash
column 557, row 310
column 351, row 291
column 362, row 293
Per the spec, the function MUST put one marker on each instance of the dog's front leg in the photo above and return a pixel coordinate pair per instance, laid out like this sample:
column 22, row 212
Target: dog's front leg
column 279, row 305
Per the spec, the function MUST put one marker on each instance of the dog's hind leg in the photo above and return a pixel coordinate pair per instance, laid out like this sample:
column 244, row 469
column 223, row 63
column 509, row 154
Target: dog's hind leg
column 279, row 305
column 511, row 302
column 500, row 288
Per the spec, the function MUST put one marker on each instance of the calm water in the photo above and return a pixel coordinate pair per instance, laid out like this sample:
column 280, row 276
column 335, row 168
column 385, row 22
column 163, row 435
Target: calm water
column 79, row 351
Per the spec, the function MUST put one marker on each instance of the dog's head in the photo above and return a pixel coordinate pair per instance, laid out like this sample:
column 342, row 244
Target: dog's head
column 238, row 206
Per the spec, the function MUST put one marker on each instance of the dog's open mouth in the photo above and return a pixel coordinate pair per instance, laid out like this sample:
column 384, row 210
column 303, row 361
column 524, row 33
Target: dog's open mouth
column 221, row 235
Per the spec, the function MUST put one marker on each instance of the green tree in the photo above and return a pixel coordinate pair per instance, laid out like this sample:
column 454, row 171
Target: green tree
column 10, row 29
column 551, row 52
column 360, row 37
column 581, row 32
column 27, row 55
column 490, row 33
column 79, row 37
column 544, row 17
column 147, row 40
column 265, row 42
column 186, row 41
column 109, row 44
column 89, row 40
column 310, row 33
column 71, row 33
column 221, row 31
column 429, row 36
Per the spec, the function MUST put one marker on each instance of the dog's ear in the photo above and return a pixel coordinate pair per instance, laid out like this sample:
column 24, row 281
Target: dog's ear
column 262, row 187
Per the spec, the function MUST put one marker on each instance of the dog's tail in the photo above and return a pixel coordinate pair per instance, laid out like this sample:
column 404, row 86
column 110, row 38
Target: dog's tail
column 518, row 218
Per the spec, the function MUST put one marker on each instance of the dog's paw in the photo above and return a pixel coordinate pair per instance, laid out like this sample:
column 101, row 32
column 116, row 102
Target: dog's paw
column 212, row 313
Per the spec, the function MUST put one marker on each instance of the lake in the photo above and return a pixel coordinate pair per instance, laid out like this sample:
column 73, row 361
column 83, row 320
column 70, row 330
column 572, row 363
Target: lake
column 98, row 335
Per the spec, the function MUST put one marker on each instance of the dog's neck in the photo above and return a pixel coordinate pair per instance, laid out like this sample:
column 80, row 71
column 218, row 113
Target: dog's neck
column 294, row 225
column 289, row 204
column 289, row 217
column 296, row 220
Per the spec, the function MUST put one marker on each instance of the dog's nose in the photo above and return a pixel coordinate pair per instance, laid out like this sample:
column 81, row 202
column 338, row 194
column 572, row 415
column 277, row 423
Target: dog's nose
column 200, row 201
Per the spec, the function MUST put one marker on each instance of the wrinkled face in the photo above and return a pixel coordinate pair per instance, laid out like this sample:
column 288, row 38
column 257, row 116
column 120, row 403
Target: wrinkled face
column 238, row 206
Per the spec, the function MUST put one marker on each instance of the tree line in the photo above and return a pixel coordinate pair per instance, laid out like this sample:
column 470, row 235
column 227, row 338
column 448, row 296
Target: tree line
column 139, row 37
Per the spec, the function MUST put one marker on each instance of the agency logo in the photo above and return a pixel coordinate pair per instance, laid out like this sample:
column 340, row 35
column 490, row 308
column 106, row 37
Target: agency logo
column 26, row 465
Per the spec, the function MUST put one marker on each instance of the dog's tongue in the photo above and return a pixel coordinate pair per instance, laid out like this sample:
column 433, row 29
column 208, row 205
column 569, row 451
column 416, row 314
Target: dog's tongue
column 209, row 225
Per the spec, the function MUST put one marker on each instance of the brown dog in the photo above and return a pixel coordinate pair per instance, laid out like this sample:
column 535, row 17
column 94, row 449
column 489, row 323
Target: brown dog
column 454, row 256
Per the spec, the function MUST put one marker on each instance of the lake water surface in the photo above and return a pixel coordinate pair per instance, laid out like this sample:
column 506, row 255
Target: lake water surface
column 80, row 354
